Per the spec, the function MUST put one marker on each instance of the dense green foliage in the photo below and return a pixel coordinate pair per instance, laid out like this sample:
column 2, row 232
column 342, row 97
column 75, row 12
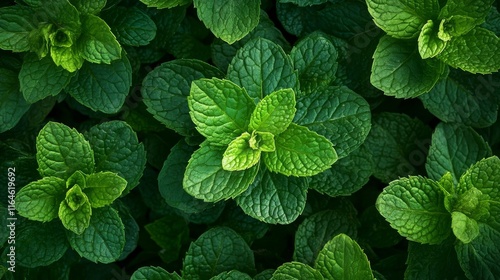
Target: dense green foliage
column 250, row 139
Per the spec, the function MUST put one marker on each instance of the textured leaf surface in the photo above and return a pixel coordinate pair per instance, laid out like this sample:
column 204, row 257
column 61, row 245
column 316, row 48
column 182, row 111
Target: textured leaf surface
column 459, row 99
column 296, row 271
column 220, row 109
column 217, row 250
column 229, row 20
column 337, row 113
column 454, row 149
column 262, row 67
column 429, row 44
column 162, row 4
column 40, row 200
column 398, row 70
column 68, row 58
column 232, row 275
column 34, row 249
column 166, row 88
column 316, row 230
column 274, row 198
column 398, row 145
column 97, row 44
column 239, row 155
column 274, row 112
column 15, row 28
column 342, row 258
column 131, row 26
column 206, row 179
column 75, row 211
column 12, row 103
column 300, row 152
column 403, row 18
column 117, row 149
column 103, row 188
column 474, row 9
column 481, row 47
column 61, row 151
column 102, row 87
column 103, row 240
column 42, row 78
column 89, row 7
column 154, row 273
column 414, row 206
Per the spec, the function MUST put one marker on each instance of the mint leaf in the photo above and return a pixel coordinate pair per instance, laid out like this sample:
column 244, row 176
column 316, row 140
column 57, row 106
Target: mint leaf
column 131, row 26
column 346, row 176
column 459, row 99
column 170, row 183
column 337, row 113
column 315, row 58
column 229, row 20
column 75, row 210
column 429, row 44
column 34, row 249
column 477, row 10
column 481, row 47
column 288, row 196
column 300, row 152
column 297, row 271
column 398, row 145
column 206, row 179
column 414, row 207
column 154, row 273
column 402, row 19
column 97, row 44
column 239, row 155
column 220, row 109
column 165, row 4
column 61, row 151
column 304, row 3
column 40, row 78
column 12, row 104
column 274, row 112
column 464, row 228
column 342, row 258
column 170, row 233
column 217, row 250
column 15, row 28
column 232, row 275
column 480, row 257
column 483, row 176
column 316, row 230
column 103, row 188
column 394, row 61
column 40, row 200
column 454, row 149
column 89, row 7
column 166, row 88
column 104, row 238
column 117, row 149
column 102, row 87
column 262, row 67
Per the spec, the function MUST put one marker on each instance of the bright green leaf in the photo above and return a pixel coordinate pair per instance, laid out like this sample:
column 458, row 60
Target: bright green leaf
column 429, row 44
column 296, row 271
column 117, row 149
column 97, row 44
column 229, row 20
column 483, row 176
column 40, row 78
column 40, row 200
column 102, row 87
column 343, row 259
column 399, row 70
column 476, row 9
column 274, row 198
column 89, row 7
column 274, row 112
column 15, row 28
column 239, row 155
column 337, row 113
column 206, row 179
column 262, row 67
column 464, row 228
column 61, row 151
column 217, row 250
column 104, row 238
column 220, row 109
column 300, row 152
column 103, row 188
column 67, row 57
column 165, row 4
column 262, row 141
column 414, row 206
column 403, row 18
column 75, row 211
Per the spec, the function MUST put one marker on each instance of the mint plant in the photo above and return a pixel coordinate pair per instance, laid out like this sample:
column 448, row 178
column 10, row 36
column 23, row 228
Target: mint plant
column 446, row 34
